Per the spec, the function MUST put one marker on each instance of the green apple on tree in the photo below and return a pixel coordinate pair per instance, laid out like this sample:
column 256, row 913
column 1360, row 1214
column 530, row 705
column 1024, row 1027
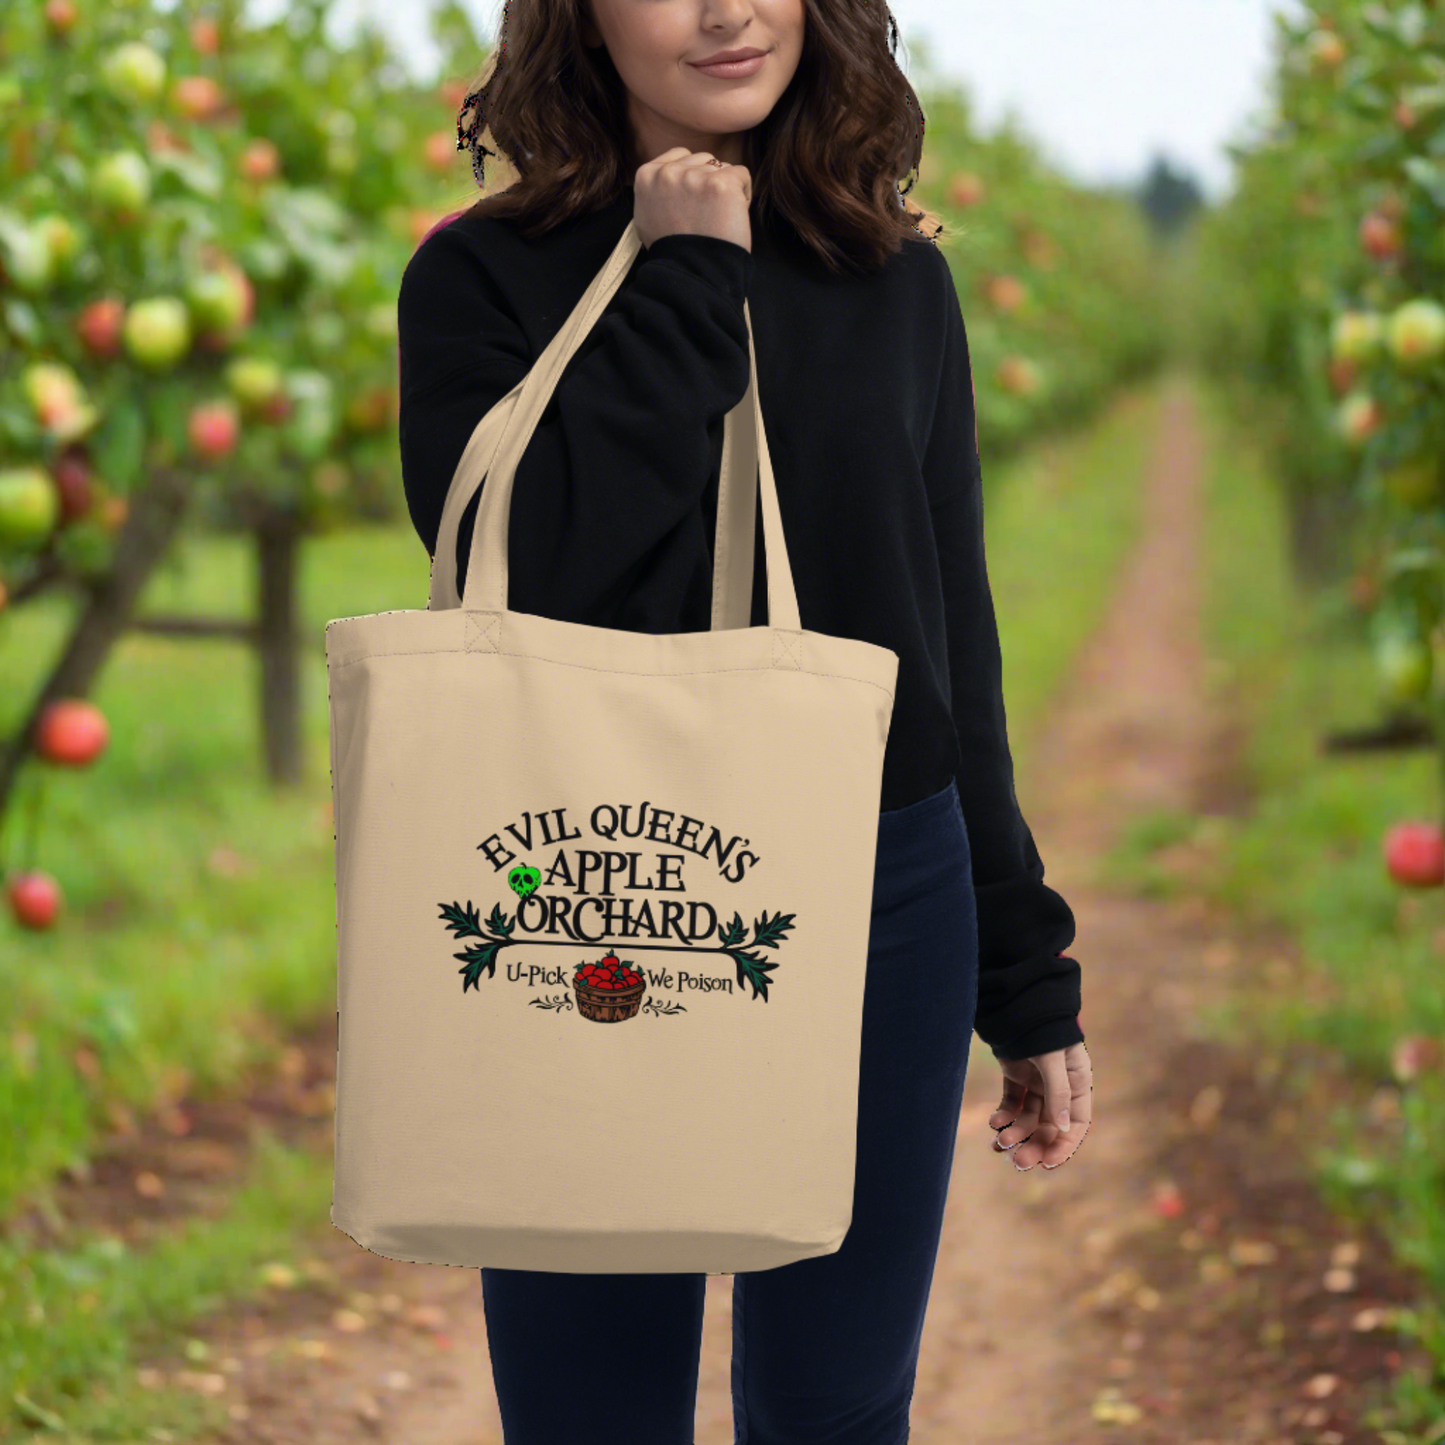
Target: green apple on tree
column 28, row 261
column 1357, row 335
column 157, row 331
column 29, row 507
column 1404, row 663
column 1416, row 333
column 134, row 72
column 253, row 380
column 219, row 298
column 58, row 398
column 1414, row 482
column 121, row 181
column 61, row 234
column 1358, row 417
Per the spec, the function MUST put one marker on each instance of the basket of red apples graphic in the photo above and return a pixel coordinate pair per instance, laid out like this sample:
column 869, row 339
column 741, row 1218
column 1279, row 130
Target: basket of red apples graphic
column 608, row 990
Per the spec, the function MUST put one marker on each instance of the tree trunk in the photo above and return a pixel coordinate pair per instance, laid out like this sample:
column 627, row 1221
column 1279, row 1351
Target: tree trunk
column 143, row 540
column 277, row 546
column 1319, row 528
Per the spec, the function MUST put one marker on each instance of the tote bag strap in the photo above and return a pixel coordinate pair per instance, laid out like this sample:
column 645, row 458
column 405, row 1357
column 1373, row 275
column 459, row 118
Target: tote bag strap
column 496, row 448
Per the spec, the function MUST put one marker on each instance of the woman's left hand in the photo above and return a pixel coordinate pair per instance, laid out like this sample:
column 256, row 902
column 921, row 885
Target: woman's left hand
column 1039, row 1094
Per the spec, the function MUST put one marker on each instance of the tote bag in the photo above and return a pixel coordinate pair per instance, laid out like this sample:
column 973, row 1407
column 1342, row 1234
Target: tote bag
column 602, row 901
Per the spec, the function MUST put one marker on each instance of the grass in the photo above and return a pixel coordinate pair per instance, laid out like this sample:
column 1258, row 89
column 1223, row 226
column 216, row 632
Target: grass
column 1057, row 526
column 1307, row 859
column 78, row 1323
column 199, row 917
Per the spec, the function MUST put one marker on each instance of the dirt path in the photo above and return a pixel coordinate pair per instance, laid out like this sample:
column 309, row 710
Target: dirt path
column 1088, row 1304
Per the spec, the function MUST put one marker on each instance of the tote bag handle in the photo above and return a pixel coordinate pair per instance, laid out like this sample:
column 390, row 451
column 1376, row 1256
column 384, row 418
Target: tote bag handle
column 500, row 438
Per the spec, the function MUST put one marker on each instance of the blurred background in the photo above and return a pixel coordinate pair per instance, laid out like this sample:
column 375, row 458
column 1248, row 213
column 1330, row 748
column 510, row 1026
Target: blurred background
column 1200, row 250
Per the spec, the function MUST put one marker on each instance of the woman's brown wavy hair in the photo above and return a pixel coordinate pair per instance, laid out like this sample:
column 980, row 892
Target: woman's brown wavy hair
column 828, row 159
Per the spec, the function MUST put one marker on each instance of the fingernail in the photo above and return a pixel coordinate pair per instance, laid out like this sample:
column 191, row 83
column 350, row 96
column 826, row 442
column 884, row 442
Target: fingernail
column 1064, row 1125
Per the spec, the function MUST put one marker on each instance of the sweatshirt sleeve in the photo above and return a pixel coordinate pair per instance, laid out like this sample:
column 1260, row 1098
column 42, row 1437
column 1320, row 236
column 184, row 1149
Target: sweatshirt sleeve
column 1029, row 990
column 606, row 523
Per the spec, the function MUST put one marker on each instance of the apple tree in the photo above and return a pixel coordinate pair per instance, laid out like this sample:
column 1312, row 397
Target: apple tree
column 1333, row 248
column 203, row 223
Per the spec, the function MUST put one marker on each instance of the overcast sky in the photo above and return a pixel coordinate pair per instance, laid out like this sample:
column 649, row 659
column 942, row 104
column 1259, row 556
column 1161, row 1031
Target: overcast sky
column 1100, row 84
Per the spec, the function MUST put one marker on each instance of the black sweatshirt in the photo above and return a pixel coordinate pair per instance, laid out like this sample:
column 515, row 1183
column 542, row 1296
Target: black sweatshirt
column 867, row 398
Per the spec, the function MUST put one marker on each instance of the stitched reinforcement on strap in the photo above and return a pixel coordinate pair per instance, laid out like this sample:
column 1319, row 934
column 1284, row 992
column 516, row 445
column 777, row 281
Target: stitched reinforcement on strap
column 787, row 649
column 483, row 631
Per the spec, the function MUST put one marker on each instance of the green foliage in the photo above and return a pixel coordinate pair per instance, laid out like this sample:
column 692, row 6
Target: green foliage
column 1318, row 286
column 1062, row 287
column 264, row 182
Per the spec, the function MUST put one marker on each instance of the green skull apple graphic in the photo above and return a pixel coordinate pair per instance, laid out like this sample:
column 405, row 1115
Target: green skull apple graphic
column 524, row 880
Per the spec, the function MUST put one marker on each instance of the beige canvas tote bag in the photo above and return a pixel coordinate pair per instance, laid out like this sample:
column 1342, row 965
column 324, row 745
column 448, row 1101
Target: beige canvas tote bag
column 602, row 901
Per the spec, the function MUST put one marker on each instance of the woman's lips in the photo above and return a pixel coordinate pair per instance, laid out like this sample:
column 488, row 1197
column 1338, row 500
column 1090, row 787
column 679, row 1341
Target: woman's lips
column 728, row 69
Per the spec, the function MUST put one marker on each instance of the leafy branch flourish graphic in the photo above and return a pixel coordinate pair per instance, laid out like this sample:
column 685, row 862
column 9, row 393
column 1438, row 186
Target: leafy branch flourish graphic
column 465, row 922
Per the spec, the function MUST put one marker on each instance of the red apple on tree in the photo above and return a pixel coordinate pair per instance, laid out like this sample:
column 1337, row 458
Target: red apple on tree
column 197, row 97
column 99, row 326
column 206, row 35
column 1019, row 375
column 1380, row 236
column 440, row 150
column 34, row 898
column 1342, row 374
column 72, row 474
column 160, row 137
column 1325, row 51
column 260, row 161
column 966, row 189
column 61, row 15
column 1413, row 1055
column 1006, row 293
column 72, row 731
column 1415, row 854
column 369, row 411
column 214, row 427
column 1358, row 418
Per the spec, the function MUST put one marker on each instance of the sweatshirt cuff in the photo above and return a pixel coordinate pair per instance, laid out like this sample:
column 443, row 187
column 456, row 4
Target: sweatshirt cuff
column 724, row 265
column 1043, row 1038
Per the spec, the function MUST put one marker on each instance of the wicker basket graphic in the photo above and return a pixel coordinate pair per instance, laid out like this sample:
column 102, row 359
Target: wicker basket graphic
column 603, row 993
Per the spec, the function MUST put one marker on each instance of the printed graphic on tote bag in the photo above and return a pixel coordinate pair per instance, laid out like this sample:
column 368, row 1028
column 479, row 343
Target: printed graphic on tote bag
column 610, row 989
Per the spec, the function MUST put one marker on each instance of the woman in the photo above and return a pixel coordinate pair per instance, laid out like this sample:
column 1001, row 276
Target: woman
column 773, row 179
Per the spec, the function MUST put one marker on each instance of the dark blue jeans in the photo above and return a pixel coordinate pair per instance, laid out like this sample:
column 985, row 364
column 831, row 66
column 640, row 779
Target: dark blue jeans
column 825, row 1350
